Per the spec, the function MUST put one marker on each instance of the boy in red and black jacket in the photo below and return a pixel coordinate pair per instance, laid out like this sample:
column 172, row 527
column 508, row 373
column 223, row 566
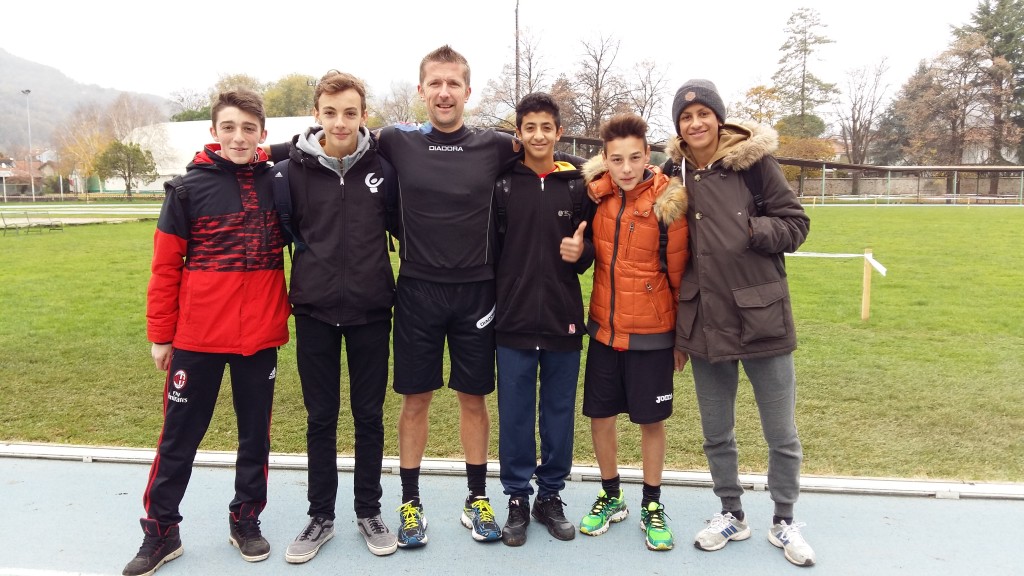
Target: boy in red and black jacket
column 216, row 297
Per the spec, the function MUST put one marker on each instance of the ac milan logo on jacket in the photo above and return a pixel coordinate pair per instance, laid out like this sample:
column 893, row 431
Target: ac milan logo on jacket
column 179, row 379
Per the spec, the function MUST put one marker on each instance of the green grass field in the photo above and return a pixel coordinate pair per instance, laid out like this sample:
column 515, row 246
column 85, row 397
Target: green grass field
column 929, row 387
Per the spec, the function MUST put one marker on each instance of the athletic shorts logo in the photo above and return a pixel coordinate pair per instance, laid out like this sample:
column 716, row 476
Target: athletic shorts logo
column 483, row 322
column 273, row 374
column 180, row 379
column 572, row 328
column 664, row 398
column 372, row 182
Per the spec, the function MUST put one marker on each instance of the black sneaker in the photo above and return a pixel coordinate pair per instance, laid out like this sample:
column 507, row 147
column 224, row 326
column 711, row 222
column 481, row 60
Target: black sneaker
column 514, row 532
column 157, row 549
column 245, row 534
column 549, row 513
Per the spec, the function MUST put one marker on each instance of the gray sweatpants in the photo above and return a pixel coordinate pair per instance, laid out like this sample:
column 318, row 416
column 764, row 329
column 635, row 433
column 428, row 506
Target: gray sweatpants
column 774, row 383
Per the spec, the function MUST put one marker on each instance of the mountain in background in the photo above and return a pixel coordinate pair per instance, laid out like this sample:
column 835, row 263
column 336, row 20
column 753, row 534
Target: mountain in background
column 54, row 97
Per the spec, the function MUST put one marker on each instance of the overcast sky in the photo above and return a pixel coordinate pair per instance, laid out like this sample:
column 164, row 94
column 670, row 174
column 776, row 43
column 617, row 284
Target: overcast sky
column 163, row 47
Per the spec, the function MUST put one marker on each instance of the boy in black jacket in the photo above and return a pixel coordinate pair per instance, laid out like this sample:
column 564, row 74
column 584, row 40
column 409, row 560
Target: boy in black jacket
column 543, row 211
column 342, row 287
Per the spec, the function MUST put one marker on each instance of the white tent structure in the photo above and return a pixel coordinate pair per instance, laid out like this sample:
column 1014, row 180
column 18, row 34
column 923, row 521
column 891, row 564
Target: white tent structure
column 174, row 144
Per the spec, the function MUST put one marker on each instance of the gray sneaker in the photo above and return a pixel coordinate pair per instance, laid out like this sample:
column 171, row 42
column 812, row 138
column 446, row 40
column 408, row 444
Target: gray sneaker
column 378, row 538
column 308, row 542
column 720, row 530
column 792, row 542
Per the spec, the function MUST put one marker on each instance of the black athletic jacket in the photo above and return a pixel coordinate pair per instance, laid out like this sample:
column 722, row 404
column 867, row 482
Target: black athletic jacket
column 344, row 276
column 539, row 302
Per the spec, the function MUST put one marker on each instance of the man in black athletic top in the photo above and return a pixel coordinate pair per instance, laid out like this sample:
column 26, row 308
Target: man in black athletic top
column 446, row 174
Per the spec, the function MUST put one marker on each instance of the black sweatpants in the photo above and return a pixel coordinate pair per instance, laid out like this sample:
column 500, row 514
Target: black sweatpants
column 318, row 355
column 190, row 395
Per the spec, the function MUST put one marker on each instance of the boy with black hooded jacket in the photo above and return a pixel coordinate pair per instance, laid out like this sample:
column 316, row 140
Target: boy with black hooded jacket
column 342, row 287
column 542, row 204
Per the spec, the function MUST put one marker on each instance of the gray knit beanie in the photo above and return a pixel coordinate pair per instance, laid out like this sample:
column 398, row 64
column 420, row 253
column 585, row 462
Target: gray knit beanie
column 700, row 91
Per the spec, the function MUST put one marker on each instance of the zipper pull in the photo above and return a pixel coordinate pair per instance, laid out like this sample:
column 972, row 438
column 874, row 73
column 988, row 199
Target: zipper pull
column 541, row 183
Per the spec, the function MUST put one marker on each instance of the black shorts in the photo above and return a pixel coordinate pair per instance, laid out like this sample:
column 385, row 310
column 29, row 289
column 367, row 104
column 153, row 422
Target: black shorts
column 428, row 313
column 637, row 382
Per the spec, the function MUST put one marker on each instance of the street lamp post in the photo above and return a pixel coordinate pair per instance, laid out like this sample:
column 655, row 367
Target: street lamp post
column 28, row 114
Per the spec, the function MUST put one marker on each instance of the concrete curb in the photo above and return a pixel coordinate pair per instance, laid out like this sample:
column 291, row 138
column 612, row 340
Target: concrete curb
column 756, row 482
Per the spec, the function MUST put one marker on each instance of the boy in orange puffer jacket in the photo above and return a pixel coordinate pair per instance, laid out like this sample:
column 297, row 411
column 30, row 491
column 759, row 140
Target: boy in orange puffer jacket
column 640, row 241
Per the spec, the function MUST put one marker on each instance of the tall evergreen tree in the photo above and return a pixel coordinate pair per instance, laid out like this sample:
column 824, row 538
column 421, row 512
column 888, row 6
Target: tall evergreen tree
column 800, row 90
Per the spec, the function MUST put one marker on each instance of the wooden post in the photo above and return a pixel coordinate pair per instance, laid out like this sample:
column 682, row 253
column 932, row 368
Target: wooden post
column 865, row 296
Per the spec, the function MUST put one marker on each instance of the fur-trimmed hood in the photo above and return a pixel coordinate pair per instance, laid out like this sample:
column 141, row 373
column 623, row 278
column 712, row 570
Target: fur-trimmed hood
column 669, row 205
column 740, row 146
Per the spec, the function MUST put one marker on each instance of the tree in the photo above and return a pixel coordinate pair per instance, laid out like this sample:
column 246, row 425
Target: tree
column 801, row 126
column 930, row 120
column 1000, row 23
column 128, row 161
column 906, row 121
column 801, row 91
column 402, row 104
column 228, row 82
column 497, row 107
column 191, row 105
column 562, row 92
column 858, row 117
column 292, row 95
column 762, row 104
column 85, row 134
column 128, row 115
column 890, row 138
column 598, row 90
column 646, row 92
column 129, row 112
column 859, row 113
column 955, row 98
column 807, row 149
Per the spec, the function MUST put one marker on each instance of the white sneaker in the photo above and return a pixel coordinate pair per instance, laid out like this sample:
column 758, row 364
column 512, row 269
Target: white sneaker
column 720, row 530
column 789, row 538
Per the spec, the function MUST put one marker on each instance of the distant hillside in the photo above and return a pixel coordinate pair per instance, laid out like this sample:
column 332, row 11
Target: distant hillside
column 54, row 97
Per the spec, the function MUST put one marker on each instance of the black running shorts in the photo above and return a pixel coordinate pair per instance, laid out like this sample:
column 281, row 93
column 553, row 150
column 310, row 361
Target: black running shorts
column 637, row 382
column 429, row 313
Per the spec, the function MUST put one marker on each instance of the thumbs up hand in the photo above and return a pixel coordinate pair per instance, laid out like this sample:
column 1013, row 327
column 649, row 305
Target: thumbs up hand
column 572, row 247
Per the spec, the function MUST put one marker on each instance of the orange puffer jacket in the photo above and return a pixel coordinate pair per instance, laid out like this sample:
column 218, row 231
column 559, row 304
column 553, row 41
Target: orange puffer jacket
column 634, row 298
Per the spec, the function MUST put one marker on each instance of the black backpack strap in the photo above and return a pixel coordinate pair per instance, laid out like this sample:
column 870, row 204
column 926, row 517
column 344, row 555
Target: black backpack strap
column 502, row 192
column 663, row 246
column 178, row 185
column 283, row 205
column 752, row 178
column 576, row 197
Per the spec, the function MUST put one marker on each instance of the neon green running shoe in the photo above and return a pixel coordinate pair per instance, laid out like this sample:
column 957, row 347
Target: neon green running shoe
column 605, row 510
column 652, row 521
